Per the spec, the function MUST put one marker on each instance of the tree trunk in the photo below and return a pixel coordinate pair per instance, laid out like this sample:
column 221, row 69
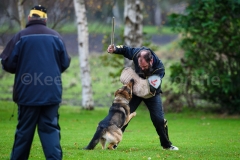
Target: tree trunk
column 21, row 14
column 133, row 25
column 87, row 98
column 157, row 13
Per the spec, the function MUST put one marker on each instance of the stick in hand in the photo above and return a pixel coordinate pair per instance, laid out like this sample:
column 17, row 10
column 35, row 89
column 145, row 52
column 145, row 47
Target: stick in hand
column 112, row 36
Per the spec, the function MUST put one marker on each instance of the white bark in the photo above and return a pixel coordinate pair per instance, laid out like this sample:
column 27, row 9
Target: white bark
column 133, row 25
column 21, row 14
column 87, row 98
column 157, row 13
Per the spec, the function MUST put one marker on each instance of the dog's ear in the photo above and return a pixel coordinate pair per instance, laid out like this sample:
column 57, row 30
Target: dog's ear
column 125, row 93
column 117, row 92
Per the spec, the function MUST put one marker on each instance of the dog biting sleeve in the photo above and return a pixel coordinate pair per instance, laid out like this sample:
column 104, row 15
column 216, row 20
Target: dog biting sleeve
column 141, row 86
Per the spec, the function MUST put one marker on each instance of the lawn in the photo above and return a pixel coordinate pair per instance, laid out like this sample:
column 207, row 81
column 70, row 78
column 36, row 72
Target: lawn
column 198, row 135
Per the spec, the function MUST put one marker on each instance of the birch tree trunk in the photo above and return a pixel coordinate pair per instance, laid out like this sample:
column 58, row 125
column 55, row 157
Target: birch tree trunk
column 157, row 13
column 133, row 25
column 87, row 95
column 21, row 14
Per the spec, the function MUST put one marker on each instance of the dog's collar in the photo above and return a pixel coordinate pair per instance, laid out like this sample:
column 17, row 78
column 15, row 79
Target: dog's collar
column 116, row 100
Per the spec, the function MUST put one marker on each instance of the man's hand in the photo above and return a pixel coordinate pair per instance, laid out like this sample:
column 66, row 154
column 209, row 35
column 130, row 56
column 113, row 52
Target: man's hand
column 111, row 48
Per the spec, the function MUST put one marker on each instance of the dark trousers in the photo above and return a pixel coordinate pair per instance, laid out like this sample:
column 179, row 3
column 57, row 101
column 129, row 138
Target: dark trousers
column 45, row 118
column 155, row 108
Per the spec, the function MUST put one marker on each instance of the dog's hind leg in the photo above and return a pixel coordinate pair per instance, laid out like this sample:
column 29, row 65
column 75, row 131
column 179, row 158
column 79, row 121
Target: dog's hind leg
column 114, row 138
column 98, row 134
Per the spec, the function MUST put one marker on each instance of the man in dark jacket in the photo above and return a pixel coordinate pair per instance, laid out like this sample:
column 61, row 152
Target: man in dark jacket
column 37, row 56
column 147, row 64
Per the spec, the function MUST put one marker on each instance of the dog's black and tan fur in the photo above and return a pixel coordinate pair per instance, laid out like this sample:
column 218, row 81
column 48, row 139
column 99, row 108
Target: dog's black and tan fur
column 109, row 129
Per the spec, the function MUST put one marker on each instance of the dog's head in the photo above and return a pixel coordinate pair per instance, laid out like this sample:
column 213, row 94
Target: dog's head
column 126, row 90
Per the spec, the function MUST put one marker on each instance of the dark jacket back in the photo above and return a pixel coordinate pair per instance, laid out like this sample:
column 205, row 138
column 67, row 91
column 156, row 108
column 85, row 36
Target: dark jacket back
column 37, row 56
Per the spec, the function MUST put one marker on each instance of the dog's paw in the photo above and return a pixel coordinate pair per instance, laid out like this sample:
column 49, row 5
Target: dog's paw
column 115, row 146
column 112, row 146
column 134, row 113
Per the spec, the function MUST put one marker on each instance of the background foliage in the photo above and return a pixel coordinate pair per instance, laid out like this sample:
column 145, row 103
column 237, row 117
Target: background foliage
column 210, row 40
column 207, row 75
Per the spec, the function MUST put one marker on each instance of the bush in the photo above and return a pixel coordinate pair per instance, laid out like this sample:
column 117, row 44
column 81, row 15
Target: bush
column 210, row 39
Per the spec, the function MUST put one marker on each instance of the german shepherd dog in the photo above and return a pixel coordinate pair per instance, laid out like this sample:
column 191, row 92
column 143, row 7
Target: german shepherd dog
column 109, row 129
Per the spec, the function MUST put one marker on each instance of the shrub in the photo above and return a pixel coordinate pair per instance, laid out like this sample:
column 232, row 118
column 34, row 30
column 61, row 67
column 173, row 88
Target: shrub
column 210, row 39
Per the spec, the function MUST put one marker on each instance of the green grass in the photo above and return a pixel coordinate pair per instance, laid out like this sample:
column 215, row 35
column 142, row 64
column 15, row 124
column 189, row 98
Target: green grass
column 158, row 30
column 103, row 28
column 5, row 28
column 96, row 28
column 198, row 136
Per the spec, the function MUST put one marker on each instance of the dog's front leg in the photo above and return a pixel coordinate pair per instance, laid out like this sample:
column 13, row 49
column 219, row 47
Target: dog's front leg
column 103, row 143
column 133, row 114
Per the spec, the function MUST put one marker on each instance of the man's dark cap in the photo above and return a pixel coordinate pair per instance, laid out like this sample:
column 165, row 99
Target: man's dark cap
column 39, row 10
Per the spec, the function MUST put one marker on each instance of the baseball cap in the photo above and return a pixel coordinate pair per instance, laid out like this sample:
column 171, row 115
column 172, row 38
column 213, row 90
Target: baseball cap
column 39, row 10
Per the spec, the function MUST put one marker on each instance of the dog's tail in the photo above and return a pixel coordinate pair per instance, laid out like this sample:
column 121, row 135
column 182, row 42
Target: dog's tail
column 98, row 134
